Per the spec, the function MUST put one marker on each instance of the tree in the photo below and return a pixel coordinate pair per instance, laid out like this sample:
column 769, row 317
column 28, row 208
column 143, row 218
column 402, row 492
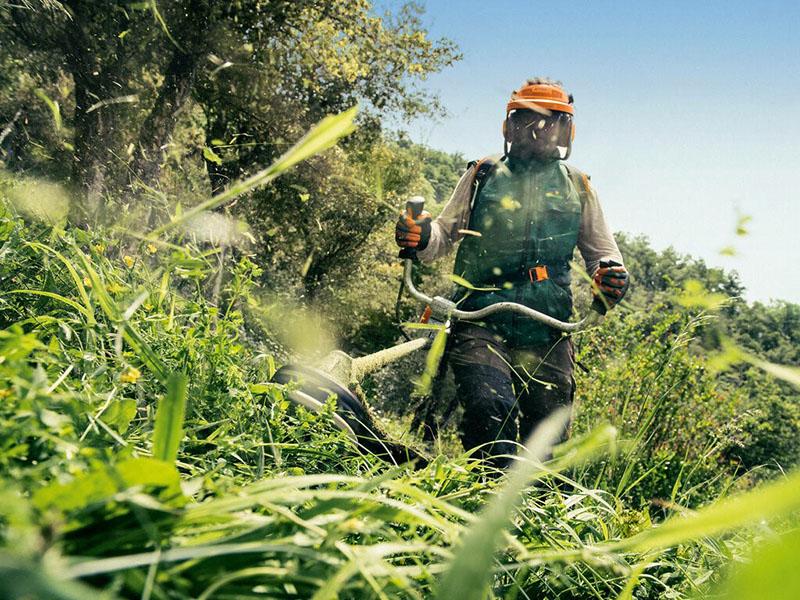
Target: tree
column 262, row 71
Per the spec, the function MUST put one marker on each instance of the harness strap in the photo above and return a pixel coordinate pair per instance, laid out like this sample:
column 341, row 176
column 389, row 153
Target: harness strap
column 581, row 182
column 485, row 167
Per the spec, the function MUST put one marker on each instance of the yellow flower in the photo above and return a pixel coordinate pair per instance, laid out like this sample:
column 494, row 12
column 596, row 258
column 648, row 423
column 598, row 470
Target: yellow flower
column 114, row 288
column 131, row 375
column 128, row 260
column 87, row 282
column 151, row 248
column 5, row 393
column 99, row 248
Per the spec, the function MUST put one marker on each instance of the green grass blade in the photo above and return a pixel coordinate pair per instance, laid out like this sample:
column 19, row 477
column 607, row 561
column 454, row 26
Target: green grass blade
column 113, row 314
column 168, row 429
column 432, row 362
column 772, row 573
column 75, row 278
column 785, row 372
column 770, row 501
column 57, row 297
column 466, row 284
column 52, row 105
column 21, row 579
column 468, row 575
column 326, row 133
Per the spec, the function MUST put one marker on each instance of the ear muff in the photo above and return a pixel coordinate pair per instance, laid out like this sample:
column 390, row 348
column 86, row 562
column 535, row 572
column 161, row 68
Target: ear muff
column 572, row 134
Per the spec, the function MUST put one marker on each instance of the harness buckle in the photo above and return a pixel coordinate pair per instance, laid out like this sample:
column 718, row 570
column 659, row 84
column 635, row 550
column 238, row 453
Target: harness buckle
column 538, row 273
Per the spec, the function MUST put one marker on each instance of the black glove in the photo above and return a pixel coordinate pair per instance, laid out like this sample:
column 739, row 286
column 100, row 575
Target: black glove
column 413, row 233
column 611, row 281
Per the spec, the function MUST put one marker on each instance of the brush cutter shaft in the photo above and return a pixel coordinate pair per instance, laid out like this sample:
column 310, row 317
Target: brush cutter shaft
column 447, row 308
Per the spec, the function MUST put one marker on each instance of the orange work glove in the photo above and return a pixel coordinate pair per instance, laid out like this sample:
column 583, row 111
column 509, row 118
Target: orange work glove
column 611, row 280
column 413, row 233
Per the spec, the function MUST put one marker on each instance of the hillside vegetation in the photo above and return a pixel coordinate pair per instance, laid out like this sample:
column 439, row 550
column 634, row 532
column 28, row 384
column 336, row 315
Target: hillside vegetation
column 190, row 199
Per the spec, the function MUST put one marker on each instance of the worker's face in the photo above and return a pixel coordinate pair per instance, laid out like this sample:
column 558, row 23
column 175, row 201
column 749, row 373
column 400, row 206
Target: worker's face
column 536, row 135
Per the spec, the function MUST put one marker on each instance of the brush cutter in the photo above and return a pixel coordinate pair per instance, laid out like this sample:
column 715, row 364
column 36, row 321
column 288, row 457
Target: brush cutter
column 339, row 374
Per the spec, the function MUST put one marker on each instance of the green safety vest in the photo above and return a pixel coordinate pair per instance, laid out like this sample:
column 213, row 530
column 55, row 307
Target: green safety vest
column 528, row 216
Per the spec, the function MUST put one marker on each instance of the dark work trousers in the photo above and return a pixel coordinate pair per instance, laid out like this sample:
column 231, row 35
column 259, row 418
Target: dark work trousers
column 506, row 392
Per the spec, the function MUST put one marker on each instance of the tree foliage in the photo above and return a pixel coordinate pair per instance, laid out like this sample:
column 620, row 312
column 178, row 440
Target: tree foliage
column 261, row 71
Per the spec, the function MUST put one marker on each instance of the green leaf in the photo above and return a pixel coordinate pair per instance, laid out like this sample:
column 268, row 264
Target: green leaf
column 211, row 156
column 508, row 203
column 787, row 373
column 114, row 314
column 168, row 429
column 105, row 481
column 119, row 414
column 153, row 6
column 22, row 579
column 731, row 353
column 741, row 224
column 425, row 326
column 87, row 303
column 58, row 297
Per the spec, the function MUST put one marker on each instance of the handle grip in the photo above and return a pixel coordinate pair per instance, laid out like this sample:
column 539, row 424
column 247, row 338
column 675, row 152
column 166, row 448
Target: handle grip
column 598, row 305
column 414, row 208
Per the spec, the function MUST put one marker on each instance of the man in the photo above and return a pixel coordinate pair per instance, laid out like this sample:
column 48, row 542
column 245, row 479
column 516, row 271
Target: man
column 519, row 219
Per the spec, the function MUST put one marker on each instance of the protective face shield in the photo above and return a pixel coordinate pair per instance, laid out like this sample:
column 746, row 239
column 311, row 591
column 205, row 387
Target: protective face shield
column 534, row 134
column 539, row 121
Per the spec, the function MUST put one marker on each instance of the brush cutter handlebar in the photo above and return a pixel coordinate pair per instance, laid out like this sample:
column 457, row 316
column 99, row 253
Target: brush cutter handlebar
column 443, row 309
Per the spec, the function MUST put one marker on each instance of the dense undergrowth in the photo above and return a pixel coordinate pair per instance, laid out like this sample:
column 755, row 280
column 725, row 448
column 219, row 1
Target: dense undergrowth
column 151, row 283
column 145, row 453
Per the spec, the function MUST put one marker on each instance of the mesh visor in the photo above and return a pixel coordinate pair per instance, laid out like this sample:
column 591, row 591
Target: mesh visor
column 546, row 135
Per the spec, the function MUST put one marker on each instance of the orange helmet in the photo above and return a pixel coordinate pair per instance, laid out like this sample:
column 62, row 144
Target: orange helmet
column 541, row 97
column 545, row 97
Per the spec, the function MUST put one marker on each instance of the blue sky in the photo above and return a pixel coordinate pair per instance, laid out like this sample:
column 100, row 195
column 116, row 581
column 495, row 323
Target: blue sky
column 687, row 114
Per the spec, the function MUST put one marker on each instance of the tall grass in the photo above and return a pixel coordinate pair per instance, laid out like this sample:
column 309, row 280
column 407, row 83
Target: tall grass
column 145, row 454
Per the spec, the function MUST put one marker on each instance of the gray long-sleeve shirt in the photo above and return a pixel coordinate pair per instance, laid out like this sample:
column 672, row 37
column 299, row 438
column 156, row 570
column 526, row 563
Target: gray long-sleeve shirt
column 595, row 240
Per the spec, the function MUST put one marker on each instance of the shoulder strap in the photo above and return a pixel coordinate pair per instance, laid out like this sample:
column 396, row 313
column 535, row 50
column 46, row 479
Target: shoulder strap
column 485, row 167
column 581, row 182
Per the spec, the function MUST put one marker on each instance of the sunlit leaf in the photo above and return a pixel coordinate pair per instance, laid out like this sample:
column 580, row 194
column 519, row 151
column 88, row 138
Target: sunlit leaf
column 468, row 575
column 432, row 361
column 326, row 133
column 771, row 572
column 464, row 283
column 119, row 414
column 509, row 203
column 741, row 224
column 55, row 110
column 695, row 295
column 211, row 156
